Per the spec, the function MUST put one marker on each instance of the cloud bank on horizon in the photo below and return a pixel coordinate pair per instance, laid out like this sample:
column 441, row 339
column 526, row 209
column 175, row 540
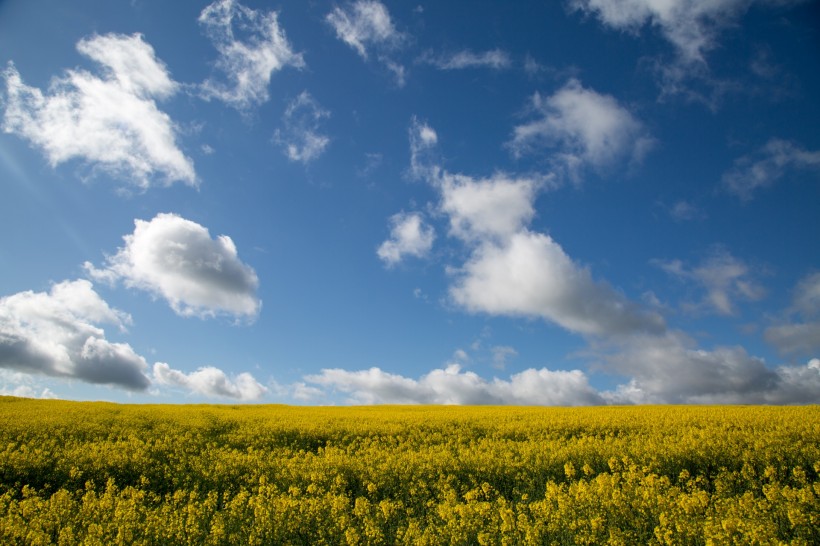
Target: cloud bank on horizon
column 422, row 205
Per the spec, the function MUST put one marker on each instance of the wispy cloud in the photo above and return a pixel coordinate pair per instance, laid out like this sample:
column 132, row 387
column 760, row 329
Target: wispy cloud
column 300, row 136
column 682, row 211
column 423, row 140
column 799, row 332
column 177, row 259
column 252, row 46
column 724, row 277
column 692, row 28
column 501, row 355
column 770, row 163
column 58, row 333
column 494, row 59
column 366, row 26
column 795, row 337
column 577, row 128
column 211, row 382
column 111, row 122
column 409, row 236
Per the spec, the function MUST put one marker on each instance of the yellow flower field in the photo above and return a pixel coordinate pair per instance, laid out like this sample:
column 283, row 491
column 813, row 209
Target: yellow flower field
column 97, row 473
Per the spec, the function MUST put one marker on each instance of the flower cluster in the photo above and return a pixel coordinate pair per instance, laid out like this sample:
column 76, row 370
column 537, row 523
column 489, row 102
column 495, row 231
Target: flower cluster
column 91, row 473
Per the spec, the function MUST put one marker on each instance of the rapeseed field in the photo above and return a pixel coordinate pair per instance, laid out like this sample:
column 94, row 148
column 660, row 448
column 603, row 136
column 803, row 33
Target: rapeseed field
column 98, row 473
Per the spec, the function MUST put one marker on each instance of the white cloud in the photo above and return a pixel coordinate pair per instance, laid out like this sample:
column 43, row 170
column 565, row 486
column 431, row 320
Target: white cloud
column 112, row 122
column 176, row 259
column 807, row 296
column 23, row 385
column 530, row 275
column 211, row 382
column 58, row 334
column 769, row 164
column 501, row 354
column 24, row 391
column 493, row 208
column 796, row 337
column 303, row 392
column 724, row 277
column 495, row 59
column 451, row 385
column 683, row 211
column 668, row 369
column 427, row 136
column 409, row 236
column 252, row 46
column 690, row 26
column 513, row 271
column 300, row 135
column 581, row 128
column 423, row 140
column 372, row 162
column 365, row 26
column 364, row 23
column 803, row 335
column 665, row 371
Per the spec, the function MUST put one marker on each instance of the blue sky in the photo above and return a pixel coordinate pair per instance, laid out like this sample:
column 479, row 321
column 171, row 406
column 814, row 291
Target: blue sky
column 559, row 203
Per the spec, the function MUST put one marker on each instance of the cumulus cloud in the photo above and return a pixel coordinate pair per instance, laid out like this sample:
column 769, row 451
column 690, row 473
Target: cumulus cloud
column 177, row 259
column 451, row 385
column 580, row 127
column 677, row 374
column 111, row 122
column 495, row 59
column 530, row 275
column 211, row 382
column 800, row 333
column 366, row 25
column 409, row 236
column 725, row 279
column 514, row 271
column 300, row 136
column 511, row 270
column 252, row 46
column 25, row 391
column 22, row 385
column 57, row 333
column 492, row 208
column 669, row 369
column 770, row 163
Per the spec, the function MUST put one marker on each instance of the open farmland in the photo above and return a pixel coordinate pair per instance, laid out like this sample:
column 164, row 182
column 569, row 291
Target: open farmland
column 98, row 473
